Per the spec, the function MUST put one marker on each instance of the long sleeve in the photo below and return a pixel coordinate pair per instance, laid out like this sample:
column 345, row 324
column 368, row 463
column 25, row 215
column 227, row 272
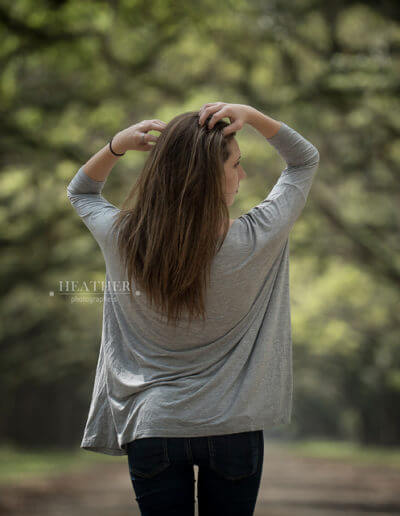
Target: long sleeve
column 275, row 216
column 301, row 156
column 96, row 212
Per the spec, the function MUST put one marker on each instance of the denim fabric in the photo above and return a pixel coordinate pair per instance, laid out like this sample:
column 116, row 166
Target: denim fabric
column 229, row 475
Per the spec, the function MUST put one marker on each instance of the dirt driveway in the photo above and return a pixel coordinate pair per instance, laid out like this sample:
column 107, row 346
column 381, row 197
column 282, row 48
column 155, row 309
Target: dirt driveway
column 291, row 485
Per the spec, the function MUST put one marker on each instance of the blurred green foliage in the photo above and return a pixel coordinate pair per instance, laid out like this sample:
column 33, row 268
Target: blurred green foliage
column 74, row 73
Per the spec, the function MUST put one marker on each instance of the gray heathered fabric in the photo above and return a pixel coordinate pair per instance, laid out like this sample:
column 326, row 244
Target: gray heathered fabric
column 232, row 373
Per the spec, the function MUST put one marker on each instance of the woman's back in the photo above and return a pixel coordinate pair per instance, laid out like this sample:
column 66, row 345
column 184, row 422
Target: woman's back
column 231, row 372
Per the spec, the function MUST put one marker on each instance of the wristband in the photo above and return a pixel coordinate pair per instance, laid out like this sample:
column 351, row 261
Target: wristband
column 115, row 154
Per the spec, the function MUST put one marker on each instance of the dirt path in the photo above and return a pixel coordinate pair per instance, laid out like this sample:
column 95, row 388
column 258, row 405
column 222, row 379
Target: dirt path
column 290, row 485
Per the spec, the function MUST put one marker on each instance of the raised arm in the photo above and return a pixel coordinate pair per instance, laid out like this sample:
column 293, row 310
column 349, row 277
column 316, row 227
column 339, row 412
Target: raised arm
column 134, row 137
column 275, row 216
column 264, row 124
column 84, row 189
column 292, row 146
column 277, row 213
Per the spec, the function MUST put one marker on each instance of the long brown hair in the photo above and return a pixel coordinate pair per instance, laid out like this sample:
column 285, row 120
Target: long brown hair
column 169, row 235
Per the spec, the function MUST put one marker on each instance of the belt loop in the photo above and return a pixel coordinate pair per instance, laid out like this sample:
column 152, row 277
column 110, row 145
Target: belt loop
column 210, row 446
column 188, row 449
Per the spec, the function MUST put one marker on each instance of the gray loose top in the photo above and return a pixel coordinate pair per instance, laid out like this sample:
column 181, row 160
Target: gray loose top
column 232, row 372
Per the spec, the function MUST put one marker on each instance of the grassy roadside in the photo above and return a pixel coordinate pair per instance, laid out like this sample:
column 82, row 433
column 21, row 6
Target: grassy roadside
column 344, row 451
column 18, row 465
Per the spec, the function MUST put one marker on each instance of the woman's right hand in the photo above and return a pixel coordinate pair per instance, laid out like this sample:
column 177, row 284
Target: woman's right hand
column 238, row 114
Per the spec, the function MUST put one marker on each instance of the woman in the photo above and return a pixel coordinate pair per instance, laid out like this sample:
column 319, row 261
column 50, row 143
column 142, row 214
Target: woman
column 196, row 353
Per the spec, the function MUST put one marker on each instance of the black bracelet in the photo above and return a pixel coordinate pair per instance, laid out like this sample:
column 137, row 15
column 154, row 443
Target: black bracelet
column 115, row 154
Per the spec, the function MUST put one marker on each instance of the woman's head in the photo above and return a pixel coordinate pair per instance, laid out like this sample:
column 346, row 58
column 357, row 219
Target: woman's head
column 184, row 145
column 170, row 224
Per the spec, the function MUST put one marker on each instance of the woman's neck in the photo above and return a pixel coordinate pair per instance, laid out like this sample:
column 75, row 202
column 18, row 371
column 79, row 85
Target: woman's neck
column 231, row 221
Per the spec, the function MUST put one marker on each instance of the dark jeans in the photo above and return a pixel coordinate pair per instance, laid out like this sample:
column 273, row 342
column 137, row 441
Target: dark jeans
column 229, row 474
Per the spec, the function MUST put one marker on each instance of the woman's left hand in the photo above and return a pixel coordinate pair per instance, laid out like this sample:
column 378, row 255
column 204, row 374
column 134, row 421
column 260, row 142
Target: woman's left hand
column 137, row 137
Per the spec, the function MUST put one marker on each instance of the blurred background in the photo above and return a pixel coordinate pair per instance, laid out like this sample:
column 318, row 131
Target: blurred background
column 75, row 73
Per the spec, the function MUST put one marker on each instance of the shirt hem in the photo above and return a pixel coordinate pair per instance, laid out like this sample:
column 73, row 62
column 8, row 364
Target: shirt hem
column 150, row 431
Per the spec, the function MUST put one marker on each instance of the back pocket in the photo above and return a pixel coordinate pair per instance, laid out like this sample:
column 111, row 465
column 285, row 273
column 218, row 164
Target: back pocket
column 148, row 456
column 234, row 456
